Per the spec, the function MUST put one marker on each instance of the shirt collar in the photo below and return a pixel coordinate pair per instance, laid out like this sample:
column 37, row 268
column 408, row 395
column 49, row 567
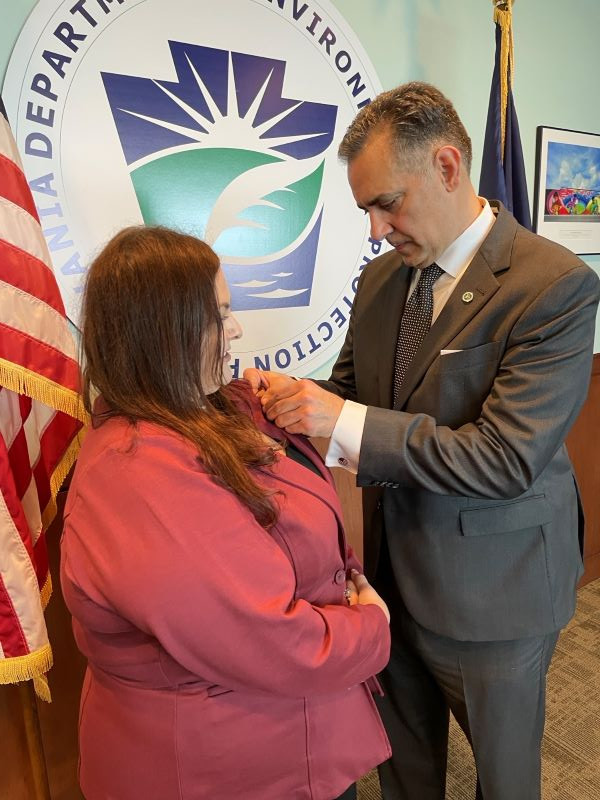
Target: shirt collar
column 457, row 257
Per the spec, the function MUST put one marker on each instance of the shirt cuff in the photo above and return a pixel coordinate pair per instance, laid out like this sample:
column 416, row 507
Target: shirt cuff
column 344, row 445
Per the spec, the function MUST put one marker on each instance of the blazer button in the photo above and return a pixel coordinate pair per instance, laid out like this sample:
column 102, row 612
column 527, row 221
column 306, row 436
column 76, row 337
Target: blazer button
column 340, row 577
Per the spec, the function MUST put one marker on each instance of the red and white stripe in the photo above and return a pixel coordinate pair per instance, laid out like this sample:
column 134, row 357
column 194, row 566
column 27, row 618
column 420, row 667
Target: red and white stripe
column 40, row 418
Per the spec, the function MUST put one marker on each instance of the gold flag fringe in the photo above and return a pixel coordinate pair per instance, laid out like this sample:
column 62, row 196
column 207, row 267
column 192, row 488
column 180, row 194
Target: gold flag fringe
column 46, row 591
column 21, row 380
column 31, row 667
column 58, row 477
column 503, row 17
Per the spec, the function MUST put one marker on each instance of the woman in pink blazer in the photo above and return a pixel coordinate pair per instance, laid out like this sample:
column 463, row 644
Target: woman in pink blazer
column 230, row 645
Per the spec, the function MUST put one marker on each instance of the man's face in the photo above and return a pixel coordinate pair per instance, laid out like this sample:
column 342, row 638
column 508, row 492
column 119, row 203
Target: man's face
column 408, row 206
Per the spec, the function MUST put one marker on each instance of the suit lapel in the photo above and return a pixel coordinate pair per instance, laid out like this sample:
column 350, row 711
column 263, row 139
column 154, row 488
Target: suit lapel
column 479, row 281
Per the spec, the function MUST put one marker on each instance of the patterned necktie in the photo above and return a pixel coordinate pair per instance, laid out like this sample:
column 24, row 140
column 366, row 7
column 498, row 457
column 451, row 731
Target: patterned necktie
column 416, row 321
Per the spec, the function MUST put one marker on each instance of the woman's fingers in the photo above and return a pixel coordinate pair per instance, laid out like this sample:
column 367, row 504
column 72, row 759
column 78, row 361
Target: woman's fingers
column 351, row 593
column 359, row 580
column 366, row 594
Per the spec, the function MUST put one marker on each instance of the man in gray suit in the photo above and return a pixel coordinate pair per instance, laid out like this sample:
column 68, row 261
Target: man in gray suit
column 473, row 526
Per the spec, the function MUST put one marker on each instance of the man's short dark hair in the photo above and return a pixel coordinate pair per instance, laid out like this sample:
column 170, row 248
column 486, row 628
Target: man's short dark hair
column 416, row 115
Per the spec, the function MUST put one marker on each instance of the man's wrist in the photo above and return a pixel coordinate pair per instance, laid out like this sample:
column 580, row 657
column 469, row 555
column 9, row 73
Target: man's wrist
column 346, row 437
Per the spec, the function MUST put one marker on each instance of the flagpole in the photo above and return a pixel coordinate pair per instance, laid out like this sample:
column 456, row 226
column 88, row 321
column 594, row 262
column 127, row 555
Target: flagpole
column 35, row 745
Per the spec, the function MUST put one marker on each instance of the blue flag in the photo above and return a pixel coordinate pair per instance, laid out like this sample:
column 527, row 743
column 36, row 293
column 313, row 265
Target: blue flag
column 502, row 168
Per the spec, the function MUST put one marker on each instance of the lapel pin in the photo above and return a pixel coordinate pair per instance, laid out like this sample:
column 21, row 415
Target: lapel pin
column 467, row 297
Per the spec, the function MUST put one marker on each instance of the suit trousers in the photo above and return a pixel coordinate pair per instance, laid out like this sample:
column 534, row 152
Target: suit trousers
column 495, row 690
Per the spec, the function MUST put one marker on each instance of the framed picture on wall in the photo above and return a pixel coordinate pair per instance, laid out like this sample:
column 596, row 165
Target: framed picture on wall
column 566, row 205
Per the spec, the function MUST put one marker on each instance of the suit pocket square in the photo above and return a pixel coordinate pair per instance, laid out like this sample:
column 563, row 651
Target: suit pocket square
column 487, row 353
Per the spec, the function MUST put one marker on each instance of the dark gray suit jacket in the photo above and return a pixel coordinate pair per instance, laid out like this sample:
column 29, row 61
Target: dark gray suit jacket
column 474, row 487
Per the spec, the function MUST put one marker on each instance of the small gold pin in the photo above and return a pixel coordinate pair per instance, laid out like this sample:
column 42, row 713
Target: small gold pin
column 467, row 297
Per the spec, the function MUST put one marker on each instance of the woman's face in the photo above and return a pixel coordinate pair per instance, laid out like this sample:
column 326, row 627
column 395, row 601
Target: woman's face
column 231, row 330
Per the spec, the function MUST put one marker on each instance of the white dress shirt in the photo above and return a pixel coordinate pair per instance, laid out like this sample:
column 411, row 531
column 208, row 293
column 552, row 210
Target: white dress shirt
column 344, row 446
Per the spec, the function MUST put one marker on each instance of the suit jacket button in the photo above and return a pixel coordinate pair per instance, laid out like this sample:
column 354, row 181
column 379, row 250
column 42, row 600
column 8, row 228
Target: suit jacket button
column 340, row 577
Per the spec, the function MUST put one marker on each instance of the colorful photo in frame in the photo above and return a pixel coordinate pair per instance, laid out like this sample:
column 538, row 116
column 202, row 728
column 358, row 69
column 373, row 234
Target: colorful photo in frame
column 567, row 188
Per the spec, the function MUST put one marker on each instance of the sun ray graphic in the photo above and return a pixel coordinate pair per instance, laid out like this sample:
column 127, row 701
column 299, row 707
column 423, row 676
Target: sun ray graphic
column 229, row 129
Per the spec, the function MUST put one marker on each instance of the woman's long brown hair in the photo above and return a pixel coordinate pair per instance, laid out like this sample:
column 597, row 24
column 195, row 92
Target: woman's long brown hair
column 151, row 327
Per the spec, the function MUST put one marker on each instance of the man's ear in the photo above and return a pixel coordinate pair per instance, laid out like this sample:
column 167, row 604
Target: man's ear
column 448, row 160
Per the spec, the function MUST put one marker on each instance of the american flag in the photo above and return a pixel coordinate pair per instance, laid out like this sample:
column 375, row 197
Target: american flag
column 40, row 420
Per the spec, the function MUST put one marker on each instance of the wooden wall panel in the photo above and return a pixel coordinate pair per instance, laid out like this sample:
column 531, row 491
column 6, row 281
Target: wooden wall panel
column 350, row 497
column 583, row 444
column 16, row 780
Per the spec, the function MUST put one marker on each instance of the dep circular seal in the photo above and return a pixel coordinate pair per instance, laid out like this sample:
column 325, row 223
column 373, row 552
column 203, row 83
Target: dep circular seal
column 220, row 119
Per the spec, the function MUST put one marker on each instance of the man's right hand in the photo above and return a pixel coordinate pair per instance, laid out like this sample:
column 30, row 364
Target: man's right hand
column 296, row 406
